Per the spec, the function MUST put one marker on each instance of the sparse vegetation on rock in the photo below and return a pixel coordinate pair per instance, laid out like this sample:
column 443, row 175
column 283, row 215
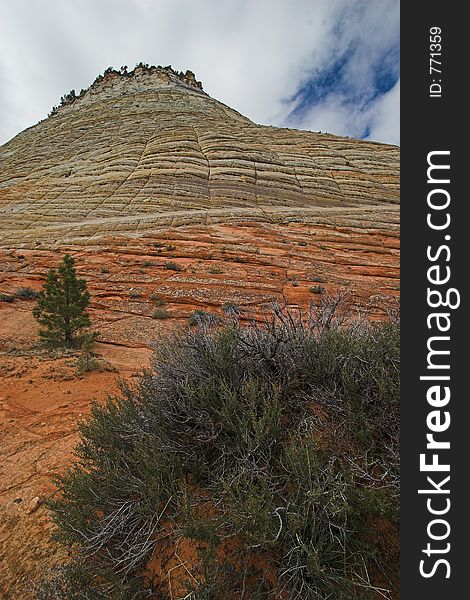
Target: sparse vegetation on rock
column 157, row 299
column 26, row 293
column 88, row 361
column 161, row 313
column 188, row 77
column 201, row 317
column 271, row 448
column 231, row 308
column 172, row 266
column 7, row 298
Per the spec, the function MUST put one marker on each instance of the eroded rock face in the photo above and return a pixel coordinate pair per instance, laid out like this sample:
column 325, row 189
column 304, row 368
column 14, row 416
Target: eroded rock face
column 168, row 200
column 135, row 153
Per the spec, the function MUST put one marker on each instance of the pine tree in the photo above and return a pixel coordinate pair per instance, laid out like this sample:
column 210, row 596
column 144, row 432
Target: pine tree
column 61, row 307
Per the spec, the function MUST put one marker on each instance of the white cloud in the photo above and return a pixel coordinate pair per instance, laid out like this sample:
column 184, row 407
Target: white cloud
column 250, row 54
column 363, row 67
column 385, row 115
column 335, row 114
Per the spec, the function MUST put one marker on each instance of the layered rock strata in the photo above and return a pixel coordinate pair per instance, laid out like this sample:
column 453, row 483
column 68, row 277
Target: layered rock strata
column 133, row 153
column 170, row 202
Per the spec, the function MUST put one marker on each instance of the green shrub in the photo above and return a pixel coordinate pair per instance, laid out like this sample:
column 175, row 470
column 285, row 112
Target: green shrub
column 74, row 582
column 26, row 293
column 279, row 438
column 231, row 308
column 157, row 299
column 172, row 266
column 317, row 289
column 161, row 313
column 7, row 298
column 88, row 362
column 201, row 317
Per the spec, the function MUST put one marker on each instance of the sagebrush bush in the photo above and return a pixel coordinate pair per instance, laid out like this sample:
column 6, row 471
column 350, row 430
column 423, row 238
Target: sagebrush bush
column 231, row 307
column 277, row 439
column 202, row 317
column 74, row 581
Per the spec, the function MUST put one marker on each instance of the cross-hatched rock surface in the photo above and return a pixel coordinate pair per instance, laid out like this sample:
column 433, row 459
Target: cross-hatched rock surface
column 139, row 151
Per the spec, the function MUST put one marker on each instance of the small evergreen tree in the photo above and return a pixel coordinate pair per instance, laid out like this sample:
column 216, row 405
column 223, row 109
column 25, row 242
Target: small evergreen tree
column 61, row 307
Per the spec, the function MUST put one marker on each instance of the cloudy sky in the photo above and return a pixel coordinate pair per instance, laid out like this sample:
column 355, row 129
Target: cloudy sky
column 323, row 65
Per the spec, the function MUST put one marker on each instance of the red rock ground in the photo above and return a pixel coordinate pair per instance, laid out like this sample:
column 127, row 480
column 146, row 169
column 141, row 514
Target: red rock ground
column 42, row 397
